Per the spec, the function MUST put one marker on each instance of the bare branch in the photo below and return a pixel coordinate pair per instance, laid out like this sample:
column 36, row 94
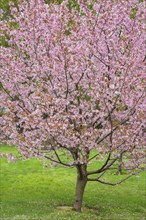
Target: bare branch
column 56, row 161
column 12, row 98
column 93, row 157
column 112, row 184
column 114, row 129
column 102, row 168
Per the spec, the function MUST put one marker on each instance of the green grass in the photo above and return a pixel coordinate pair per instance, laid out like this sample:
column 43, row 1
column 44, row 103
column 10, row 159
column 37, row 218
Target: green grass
column 28, row 191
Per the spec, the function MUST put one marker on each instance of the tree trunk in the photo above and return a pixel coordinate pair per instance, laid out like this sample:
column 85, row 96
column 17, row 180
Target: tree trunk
column 120, row 165
column 80, row 187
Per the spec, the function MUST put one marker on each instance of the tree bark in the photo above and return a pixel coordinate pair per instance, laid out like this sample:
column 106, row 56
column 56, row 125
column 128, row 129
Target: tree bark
column 120, row 165
column 80, row 187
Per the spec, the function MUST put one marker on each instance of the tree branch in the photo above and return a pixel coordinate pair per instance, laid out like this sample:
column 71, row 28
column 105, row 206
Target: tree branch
column 109, row 183
column 56, row 161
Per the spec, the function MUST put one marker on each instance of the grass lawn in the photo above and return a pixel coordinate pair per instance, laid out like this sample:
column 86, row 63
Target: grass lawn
column 28, row 191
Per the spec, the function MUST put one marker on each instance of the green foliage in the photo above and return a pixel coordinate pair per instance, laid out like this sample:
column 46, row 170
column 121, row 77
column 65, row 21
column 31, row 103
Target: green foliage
column 1, row 112
column 54, row 1
column 90, row 6
column 133, row 12
column 1, row 86
column 118, row 74
column 67, row 32
column 73, row 4
column 30, row 191
column 70, row 23
column 5, row 9
column 15, row 98
column 87, row 97
column 4, row 41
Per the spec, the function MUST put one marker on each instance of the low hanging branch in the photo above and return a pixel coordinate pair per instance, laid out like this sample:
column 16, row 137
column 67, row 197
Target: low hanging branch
column 112, row 184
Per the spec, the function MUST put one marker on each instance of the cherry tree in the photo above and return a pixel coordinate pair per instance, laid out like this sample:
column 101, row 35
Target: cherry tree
column 72, row 82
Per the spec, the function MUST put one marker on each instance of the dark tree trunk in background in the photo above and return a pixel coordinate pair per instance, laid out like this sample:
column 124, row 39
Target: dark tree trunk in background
column 120, row 165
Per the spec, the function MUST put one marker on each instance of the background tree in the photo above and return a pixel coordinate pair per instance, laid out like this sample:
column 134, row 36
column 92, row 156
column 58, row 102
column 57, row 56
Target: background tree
column 72, row 79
